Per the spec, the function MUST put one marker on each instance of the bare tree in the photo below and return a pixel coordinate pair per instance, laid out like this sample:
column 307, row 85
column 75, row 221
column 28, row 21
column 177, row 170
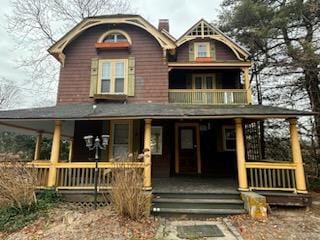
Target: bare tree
column 8, row 94
column 37, row 24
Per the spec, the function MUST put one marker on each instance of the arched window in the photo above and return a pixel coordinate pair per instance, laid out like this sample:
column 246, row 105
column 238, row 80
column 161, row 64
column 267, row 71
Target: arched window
column 115, row 36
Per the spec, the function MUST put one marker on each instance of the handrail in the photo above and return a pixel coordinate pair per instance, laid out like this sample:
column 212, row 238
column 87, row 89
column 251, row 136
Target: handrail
column 208, row 96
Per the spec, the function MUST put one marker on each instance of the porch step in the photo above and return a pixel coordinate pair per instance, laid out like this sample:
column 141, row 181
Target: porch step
column 191, row 211
column 199, row 195
column 198, row 203
column 193, row 204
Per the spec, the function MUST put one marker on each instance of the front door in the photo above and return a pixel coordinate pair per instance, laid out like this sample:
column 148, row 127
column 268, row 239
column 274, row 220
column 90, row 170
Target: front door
column 187, row 148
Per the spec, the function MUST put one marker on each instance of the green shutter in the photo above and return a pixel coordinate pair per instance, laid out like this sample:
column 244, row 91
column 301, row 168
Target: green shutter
column 191, row 52
column 94, row 76
column 212, row 50
column 131, row 76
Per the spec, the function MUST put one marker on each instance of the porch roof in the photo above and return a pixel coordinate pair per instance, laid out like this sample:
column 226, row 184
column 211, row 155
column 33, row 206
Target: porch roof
column 87, row 111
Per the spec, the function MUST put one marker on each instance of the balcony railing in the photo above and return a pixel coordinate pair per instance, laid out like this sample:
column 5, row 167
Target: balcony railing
column 208, row 96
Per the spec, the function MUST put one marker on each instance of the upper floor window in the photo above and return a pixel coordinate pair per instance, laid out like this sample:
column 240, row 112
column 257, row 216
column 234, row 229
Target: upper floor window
column 115, row 37
column 113, row 76
column 202, row 49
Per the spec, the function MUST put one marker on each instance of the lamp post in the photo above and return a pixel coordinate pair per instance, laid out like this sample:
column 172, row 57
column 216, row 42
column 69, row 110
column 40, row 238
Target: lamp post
column 96, row 146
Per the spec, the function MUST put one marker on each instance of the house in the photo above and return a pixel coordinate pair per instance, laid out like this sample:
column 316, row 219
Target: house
column 187, row 100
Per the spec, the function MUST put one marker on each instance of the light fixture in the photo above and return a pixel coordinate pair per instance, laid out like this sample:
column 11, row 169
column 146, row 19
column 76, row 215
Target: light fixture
column 88, row 141
column 105, row 140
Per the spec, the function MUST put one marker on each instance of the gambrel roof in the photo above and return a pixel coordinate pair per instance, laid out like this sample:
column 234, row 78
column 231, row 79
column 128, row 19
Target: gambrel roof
column 203, row 29
column 57, row 49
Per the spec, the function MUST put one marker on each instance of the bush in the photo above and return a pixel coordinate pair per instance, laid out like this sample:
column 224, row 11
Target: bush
column 17, row 183
column 13, row 219
column 127, row 196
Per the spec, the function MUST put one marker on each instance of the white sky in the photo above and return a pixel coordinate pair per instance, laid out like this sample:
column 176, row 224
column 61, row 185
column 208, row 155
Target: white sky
column 182, row 14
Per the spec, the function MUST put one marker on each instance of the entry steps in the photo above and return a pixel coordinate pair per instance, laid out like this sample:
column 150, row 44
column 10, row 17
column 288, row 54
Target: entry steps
column 193, row 204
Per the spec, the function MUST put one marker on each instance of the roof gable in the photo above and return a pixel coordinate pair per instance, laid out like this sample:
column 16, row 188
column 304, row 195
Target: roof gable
column 57, row 49
column 203, row 29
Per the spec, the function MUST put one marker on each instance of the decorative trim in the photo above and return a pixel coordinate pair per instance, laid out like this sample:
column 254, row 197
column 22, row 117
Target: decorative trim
column 57, row 49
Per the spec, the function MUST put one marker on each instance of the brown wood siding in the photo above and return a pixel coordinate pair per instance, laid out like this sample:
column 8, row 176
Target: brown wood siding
column 151, row 69
column 161, row 164
column 223, row 52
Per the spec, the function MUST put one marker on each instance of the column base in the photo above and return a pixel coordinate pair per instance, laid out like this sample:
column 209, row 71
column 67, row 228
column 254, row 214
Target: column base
column 243, row 189
column 302, row 191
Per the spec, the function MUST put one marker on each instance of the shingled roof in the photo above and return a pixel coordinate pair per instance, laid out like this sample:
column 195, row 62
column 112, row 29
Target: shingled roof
column 155, row 111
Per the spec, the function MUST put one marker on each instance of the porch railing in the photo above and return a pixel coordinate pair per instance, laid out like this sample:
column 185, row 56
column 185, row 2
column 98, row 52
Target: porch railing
column 80, row 175
column 208, row 96
column 271, row 176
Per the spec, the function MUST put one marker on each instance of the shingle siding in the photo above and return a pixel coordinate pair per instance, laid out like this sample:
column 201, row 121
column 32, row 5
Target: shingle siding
column 151, row 68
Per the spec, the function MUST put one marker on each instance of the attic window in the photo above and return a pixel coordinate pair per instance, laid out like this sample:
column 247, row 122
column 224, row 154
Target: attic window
column 114, row 39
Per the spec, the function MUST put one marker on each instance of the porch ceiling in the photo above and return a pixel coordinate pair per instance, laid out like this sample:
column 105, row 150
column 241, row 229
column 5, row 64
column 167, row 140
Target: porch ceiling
column 33, row 127
column 89, row 111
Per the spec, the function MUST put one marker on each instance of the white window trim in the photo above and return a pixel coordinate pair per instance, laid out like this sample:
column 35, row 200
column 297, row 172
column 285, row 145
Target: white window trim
column 196, row 46
column 203, row 80
column 224, row 138
column 161, row 139
column 112, row 80
column 130, row 135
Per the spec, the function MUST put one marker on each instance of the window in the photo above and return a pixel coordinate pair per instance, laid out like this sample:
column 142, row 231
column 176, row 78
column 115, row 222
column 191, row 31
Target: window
column 202, row 49
column 121, row 133
column 115, row 37
column 156, row 140
column 113, row 76
column 229, row 138
column 203, row 81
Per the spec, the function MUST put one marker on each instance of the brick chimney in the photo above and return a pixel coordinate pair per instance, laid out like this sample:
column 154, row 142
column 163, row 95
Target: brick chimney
column 163, row 24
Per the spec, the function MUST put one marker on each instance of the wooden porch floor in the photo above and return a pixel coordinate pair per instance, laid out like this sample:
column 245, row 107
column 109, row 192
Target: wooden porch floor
column 194, row 185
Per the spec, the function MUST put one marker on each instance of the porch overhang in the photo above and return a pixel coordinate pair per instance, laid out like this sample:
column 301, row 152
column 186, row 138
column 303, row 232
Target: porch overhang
column 29, row 121
column 98, row 111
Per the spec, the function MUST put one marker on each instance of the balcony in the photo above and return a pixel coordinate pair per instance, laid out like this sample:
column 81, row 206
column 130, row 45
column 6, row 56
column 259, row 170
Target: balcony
column 208, row 96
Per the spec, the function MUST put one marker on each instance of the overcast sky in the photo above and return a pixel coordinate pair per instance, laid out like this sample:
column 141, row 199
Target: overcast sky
column 182, row 14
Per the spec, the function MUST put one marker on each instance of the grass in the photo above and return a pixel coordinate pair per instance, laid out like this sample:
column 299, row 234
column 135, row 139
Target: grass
column 13, row 219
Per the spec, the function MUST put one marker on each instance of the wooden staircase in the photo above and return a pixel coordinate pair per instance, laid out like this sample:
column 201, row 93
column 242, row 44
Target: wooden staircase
column 193, row 204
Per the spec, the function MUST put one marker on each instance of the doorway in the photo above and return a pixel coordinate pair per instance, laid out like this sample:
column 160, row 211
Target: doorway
column 187, row 148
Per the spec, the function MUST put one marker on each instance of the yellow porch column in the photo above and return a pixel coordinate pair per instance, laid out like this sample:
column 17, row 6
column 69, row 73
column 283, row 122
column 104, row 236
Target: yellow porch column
column 147, row 153
column 241, row 161
column 55, row 152
column 37, row 150
column 247, row 86
column 297, row 157
column 70, row 149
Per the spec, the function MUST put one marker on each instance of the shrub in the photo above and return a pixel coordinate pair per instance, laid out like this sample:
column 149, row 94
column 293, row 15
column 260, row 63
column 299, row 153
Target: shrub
column 17, row 183
column 12, row 219
column 127, row 196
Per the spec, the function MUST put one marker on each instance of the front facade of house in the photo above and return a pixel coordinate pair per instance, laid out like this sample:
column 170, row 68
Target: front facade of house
column 186, row 100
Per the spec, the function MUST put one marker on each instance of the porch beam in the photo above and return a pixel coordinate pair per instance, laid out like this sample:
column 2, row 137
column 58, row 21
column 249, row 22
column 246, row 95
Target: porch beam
column 247, row 86
column 147, row 153
column 55, row 152
column 297, row 157
column 241, row 161
column 37, row 150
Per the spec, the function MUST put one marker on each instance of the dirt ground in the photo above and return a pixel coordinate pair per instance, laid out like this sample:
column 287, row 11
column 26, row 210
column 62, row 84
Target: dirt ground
column 283, row 223
column 67, row 222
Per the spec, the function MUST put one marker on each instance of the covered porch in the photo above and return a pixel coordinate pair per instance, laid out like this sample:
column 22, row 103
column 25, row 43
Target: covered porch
column 198, row 125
